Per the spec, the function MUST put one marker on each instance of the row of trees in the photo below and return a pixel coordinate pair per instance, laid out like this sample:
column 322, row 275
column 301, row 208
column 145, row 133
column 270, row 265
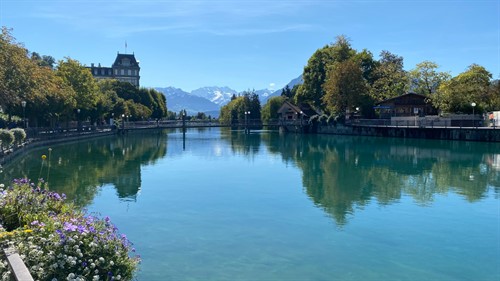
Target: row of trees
column 338, row 78
column 36, row 88
column 241, row 109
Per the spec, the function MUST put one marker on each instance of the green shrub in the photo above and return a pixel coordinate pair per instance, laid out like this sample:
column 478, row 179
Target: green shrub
column 6, row 138
column 19, row 135
column 57, row 242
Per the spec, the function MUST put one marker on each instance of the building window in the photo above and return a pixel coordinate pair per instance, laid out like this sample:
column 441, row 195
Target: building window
column 122, row 71
column 116, row 71
column 129, row 72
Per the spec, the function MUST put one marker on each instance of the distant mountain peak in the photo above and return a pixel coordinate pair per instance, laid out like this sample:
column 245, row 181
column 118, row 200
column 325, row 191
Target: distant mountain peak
column 211, row 98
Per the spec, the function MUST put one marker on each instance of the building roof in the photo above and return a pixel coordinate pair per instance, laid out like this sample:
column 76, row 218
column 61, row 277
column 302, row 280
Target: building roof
column 121, row 60
column 403, row 96
column 304, row 109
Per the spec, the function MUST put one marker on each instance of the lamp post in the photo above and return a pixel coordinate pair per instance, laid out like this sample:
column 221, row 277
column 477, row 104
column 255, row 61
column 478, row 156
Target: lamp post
column 78, row 120
column 473, row 114
column 23, row 103
column 123, row 123
column 247, row 113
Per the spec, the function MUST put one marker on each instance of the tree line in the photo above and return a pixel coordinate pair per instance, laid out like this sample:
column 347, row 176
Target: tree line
column 338, row 79
column 44, row 92
column 242, row 108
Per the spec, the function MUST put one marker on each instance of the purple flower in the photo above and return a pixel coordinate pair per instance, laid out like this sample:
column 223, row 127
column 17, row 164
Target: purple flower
column 61, row 234
column 69, row 226
column 82, row 229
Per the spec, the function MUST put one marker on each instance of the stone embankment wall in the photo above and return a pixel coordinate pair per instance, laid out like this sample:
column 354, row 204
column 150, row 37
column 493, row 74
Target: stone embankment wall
column 486, row 134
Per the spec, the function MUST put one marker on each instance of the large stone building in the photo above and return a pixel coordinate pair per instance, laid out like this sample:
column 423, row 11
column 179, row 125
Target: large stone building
column 125, row 68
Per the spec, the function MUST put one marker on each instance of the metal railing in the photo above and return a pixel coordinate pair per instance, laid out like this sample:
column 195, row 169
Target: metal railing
column 421, row 123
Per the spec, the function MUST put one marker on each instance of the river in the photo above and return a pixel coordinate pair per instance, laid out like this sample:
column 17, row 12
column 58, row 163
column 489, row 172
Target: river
column 216, row 204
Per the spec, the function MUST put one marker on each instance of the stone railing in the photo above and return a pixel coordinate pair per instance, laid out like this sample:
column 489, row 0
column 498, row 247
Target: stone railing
column 19, row 270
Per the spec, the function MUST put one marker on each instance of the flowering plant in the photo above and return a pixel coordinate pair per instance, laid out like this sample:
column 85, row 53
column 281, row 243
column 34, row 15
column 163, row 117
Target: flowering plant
column 58, row 242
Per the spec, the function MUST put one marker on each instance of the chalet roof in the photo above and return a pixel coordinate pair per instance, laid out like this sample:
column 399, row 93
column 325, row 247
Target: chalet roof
column 120, row 58
column 289, row 105
column 306, row 109
column 402, row 97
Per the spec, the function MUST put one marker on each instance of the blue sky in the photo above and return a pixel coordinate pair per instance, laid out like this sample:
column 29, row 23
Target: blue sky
column 253, row 44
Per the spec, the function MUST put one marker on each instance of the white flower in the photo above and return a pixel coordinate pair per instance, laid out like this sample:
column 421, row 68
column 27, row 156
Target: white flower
column 118, row 277
column 111, row 263
column 95, row 278
column 101, row 259
column 2, row 185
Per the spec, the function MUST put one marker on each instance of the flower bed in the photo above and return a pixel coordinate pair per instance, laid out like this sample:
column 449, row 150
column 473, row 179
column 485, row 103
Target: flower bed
column 59, row 242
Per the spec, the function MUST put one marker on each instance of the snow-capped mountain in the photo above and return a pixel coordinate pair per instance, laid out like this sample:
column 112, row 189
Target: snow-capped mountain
column 218, row 95
column 178, row 100
column 210, row 99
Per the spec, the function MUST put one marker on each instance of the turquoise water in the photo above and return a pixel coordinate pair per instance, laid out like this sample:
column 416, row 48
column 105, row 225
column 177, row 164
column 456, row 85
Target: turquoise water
column 222, row 205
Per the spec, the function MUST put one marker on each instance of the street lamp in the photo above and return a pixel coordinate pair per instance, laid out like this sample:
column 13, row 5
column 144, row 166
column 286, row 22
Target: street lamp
column 247, row 113
column 23, row 103
column 78, row 119
column 473, row 114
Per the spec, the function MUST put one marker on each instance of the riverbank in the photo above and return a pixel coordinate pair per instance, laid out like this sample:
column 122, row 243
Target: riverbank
column 33, row 143
column 482, row 134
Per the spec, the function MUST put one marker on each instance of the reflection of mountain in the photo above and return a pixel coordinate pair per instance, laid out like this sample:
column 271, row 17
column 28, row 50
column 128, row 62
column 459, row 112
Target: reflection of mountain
column 115, row 160
column 342, row 173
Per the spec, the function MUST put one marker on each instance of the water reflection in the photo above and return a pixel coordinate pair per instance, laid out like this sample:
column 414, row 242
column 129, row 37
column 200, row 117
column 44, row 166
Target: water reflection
column 342, row 173
column 79, row 169
column 339, row 173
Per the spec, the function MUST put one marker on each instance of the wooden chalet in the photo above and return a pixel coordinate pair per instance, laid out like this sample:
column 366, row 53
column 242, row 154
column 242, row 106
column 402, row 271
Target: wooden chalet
column 290, row 112
column 410, row 104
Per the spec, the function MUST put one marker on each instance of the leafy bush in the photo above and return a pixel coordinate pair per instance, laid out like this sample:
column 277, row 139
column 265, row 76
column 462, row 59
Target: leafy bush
column 19, row 135
column 6, row 138
column 59, row 243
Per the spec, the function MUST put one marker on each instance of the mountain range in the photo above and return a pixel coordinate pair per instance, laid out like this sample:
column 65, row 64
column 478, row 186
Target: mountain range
column 210, row 99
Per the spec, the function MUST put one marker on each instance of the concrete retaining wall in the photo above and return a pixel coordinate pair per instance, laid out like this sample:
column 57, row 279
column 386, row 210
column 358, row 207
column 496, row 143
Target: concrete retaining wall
column 486, row 134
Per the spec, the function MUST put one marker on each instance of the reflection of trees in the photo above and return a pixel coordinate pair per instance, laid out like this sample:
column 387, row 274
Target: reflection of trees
column 341, row 173
column 246, row 144
column 78, row 169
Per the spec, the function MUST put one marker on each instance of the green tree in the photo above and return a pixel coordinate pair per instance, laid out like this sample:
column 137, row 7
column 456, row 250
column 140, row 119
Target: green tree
column 83, row 83
column 494, row 96
column 286, row 92
column 50, row 99
column 425, row 79
column 15, row 73
column 458, row 94
column 229, row 112
column 270, row 109
column 43, row 61
column 389, row 77
column 315, row 72
column 234, row 111
column 367, row 64
column 345, row 87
